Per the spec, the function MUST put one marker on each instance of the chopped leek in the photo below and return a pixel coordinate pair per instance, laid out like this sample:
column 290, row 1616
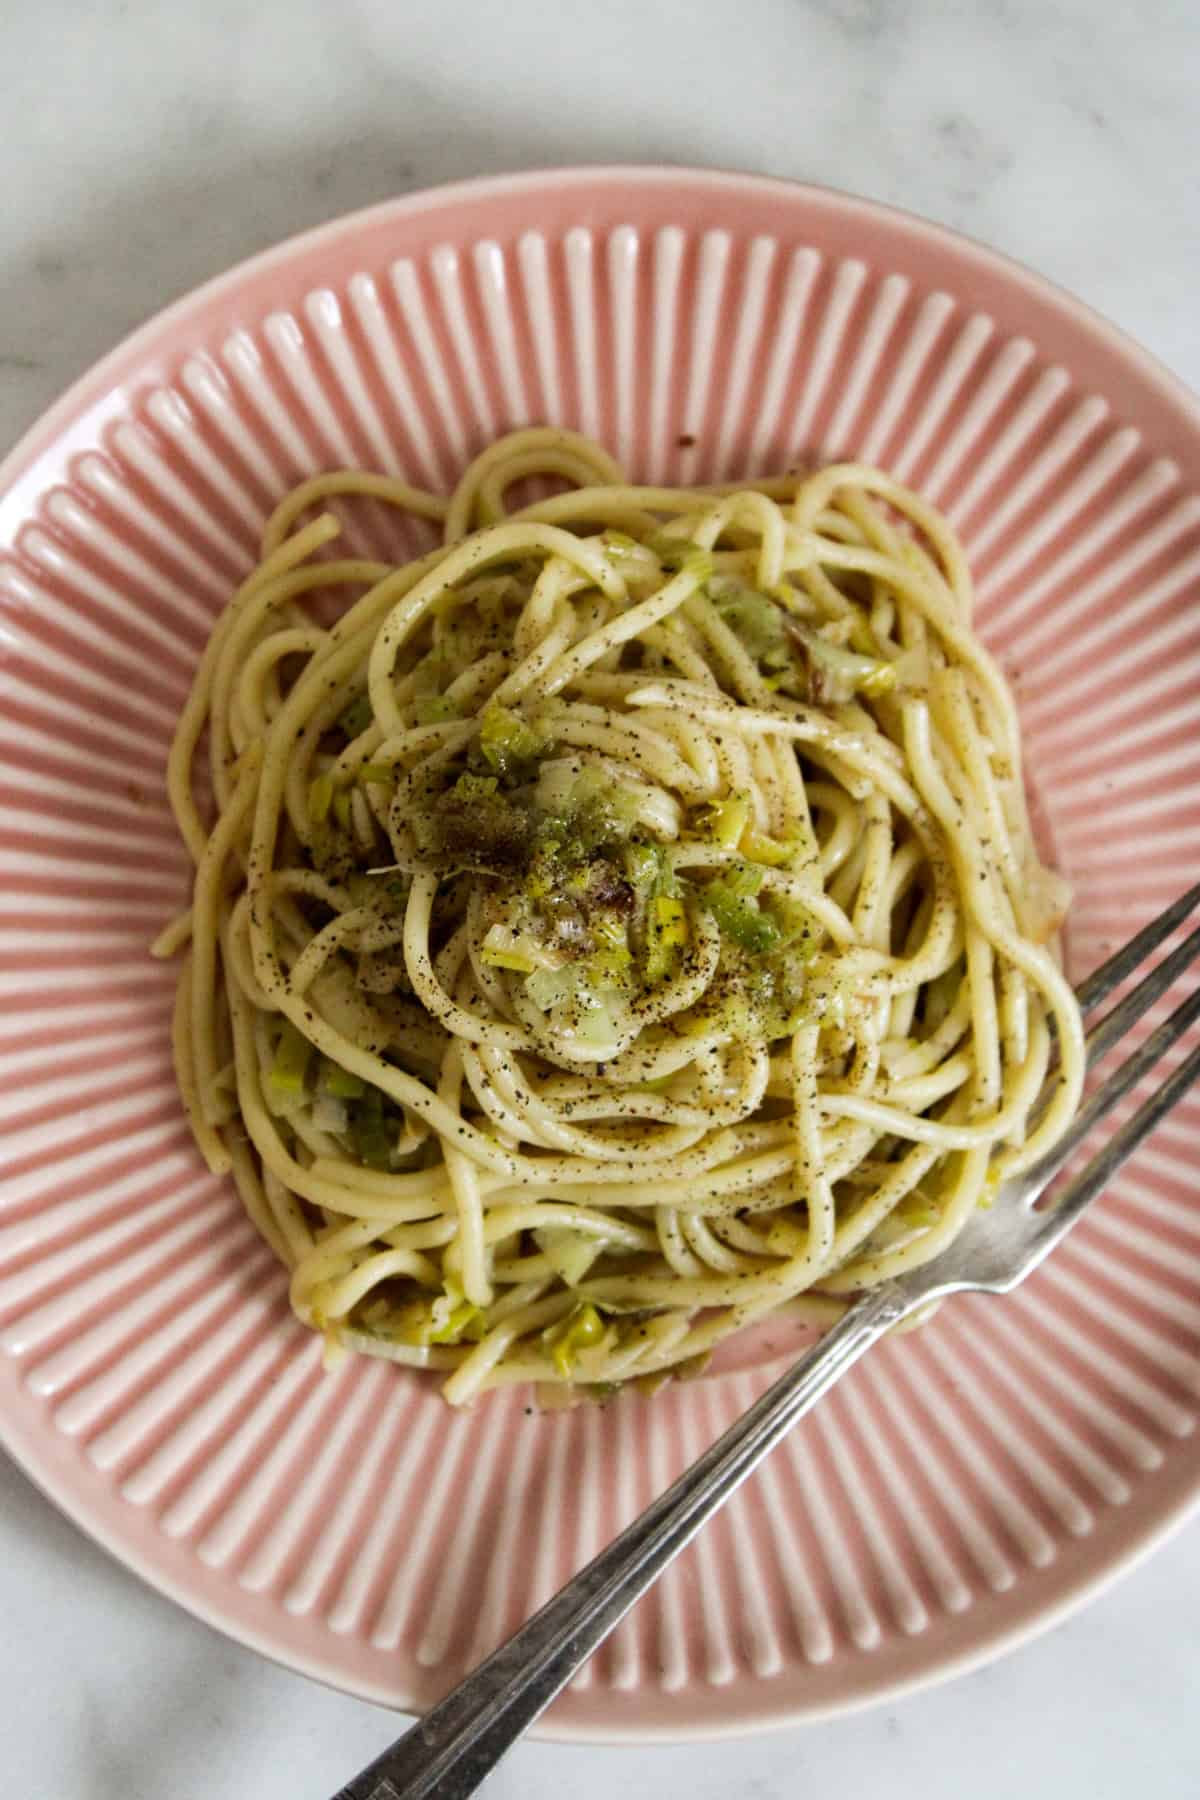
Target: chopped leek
column 502, row 949
column 340, row 1082
column 743, row 880
column 370, row 1138
column 448, row 1319
column 670, row 916
column 730, row 898
column 449, row 1315
column 640, row 863
column 754, row 619
column 564, row 1341
column 548, row 988
column 798, row 939
column 597, row 1023
column 555, row 785
column 475, row 787
column 768, row 850
column 608, row 817
column 918, row 1209
column 434, row 709
column 320, row 798
column 837, row 674
column 581, row 1001
column 330, row 1114
column 682, row 553
column 570, row 1253
column 619, row 543
column 341, row 808
column 726, row 820
column 356, row 717
column 647, row 868
column 611, row 966
column 587, row 809
column 507, row 740
column 457, row 1325
column 608, row 932
column 292, row 1056
column 381, row 774
column 666, row 932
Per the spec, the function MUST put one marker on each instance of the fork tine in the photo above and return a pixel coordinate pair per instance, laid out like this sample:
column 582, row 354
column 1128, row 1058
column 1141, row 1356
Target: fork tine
column 1126, row 1076
column 1140, row 999
column 1057, row 1220
column 1101, row 982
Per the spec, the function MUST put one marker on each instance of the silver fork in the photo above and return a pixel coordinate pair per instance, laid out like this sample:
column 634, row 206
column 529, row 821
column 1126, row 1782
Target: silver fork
column 448, row 1753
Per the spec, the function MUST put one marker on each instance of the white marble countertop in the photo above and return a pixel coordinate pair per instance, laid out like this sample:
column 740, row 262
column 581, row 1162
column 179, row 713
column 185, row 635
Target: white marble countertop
column 150, row 145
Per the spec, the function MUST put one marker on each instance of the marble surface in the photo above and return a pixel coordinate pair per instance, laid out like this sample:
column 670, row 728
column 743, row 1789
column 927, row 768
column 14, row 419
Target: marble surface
column 150, row 145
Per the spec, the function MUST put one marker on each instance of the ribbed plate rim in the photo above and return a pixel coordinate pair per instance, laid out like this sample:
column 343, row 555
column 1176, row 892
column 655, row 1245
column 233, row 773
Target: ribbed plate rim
column 1160, row 1516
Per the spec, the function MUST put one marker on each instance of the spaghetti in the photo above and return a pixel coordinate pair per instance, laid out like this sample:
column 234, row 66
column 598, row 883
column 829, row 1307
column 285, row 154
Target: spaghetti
column 614, row 926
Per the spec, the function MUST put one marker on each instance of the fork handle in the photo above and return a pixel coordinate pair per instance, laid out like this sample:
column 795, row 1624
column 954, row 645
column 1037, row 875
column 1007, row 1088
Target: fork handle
column 449, row 1752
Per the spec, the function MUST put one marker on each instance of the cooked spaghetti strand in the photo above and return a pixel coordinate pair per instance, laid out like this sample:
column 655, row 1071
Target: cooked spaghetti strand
column 617, row 925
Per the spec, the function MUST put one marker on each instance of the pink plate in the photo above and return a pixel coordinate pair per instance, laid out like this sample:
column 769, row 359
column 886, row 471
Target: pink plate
column 968, row 1482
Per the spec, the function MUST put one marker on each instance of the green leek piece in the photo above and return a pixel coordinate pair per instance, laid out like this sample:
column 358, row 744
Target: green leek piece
column 754, row 619
column 370, row 1138
column 611, row 958
column 597, row 1025
column 320, row 798
column 570, row 1253
column 771, row 852
column 666, row 933
column 501, row 949
column 647, row 868
column 726, row 820
column 619, row 543
column 356, row 717
column 455, row 1324
column 917, row 1209
column 290, row 1067
column 340, row 1082
column 434, row 709
column 730, row 898
column 555, row 788
column 564, row 1341
column 448, row 1319
column 798, row 934
column 593, row 1004
column 742, row 879
column 641, row 864
column 837, row 673
column 682, row 553
column 670, row 917
column 507, row 740
column 475, row 787
column 609, row 935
